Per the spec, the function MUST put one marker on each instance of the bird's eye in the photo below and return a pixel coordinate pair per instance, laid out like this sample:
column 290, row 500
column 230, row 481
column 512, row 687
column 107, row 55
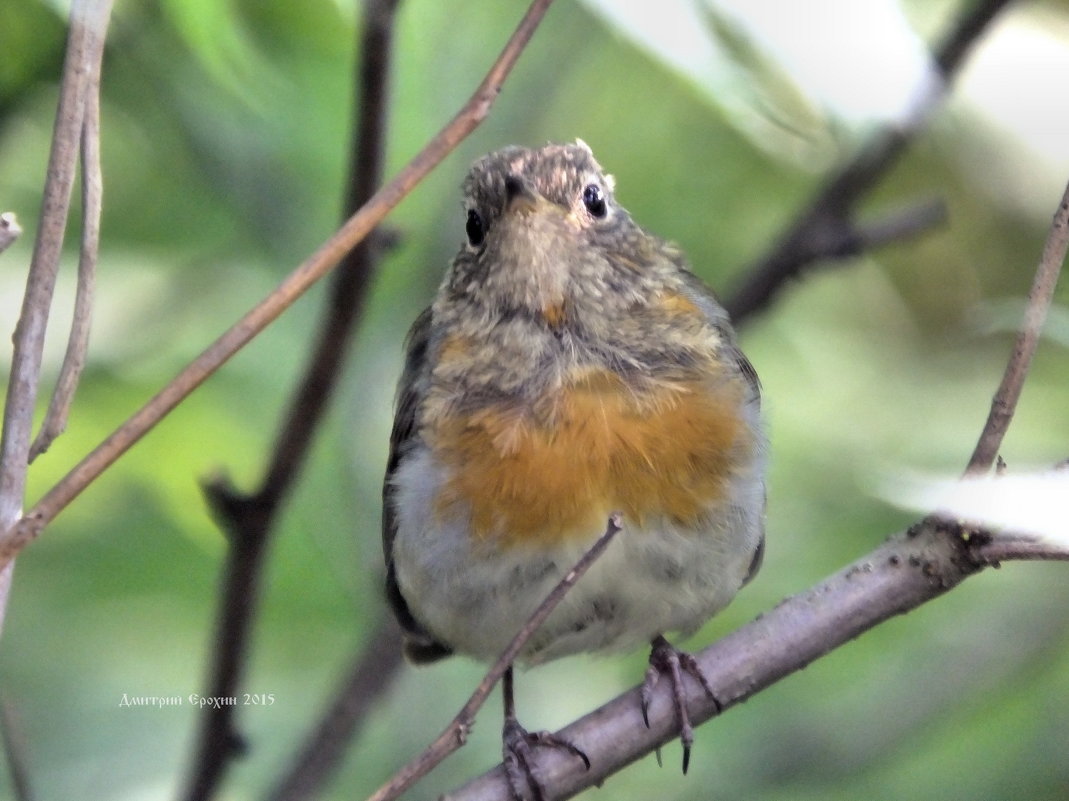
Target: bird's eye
column 594, row 200
column 474, row 227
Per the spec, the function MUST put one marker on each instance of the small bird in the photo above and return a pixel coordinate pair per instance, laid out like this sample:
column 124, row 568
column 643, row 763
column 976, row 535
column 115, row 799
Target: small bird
column 570, row 367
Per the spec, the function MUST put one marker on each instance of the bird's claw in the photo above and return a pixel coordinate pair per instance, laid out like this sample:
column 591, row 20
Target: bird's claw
column 666, row 659
column 518, row 745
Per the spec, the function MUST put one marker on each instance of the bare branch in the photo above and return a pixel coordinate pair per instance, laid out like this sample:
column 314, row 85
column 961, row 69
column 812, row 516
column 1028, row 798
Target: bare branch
column 827, row 216
column 1039, row 300
column 304, row 276
column 456, row 733
column 9, row 230
column 78, row 343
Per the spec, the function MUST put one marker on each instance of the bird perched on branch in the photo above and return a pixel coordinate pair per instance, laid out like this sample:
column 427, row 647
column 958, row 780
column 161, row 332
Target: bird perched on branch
column 570, row 367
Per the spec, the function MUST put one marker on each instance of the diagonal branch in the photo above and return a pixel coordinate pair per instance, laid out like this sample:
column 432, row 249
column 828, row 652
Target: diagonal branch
column 1039, row 299
column 304, row 276
column 828, row 214
column 249, row 519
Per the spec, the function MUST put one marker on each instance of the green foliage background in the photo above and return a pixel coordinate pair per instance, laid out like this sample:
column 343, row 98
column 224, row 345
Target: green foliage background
column 225, row 133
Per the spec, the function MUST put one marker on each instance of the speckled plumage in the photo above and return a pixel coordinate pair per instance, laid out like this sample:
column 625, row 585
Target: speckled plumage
column 570, row 366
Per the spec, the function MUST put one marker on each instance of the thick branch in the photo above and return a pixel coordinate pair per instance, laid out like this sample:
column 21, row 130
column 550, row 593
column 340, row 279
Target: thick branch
column 307, row 273
column 827, row 216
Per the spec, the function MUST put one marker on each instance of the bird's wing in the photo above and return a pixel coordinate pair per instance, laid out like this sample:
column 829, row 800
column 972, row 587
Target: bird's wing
column 420, row 646
column 704, row 298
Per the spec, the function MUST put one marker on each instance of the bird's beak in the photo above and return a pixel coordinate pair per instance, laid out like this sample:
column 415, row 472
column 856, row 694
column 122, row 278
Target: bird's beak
column 521, row 197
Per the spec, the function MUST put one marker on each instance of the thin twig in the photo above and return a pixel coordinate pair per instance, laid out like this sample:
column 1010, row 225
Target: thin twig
column 456, row 733
column 1039, row 300
column 85, row 47
column 9, row 230
column 250, row 519
column 78, row 343
column 323, row 749
column 304, row 276
column 908, row 570
column 827, row 215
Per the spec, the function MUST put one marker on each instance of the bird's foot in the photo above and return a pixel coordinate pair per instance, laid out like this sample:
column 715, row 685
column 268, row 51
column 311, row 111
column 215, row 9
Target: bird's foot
column 519, row 745
column 667, row 660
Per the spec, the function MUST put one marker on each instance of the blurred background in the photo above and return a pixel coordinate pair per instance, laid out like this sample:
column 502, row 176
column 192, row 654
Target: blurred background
column 225, row 129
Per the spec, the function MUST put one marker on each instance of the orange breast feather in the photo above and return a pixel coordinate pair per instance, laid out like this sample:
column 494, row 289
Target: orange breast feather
column 602, row 451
